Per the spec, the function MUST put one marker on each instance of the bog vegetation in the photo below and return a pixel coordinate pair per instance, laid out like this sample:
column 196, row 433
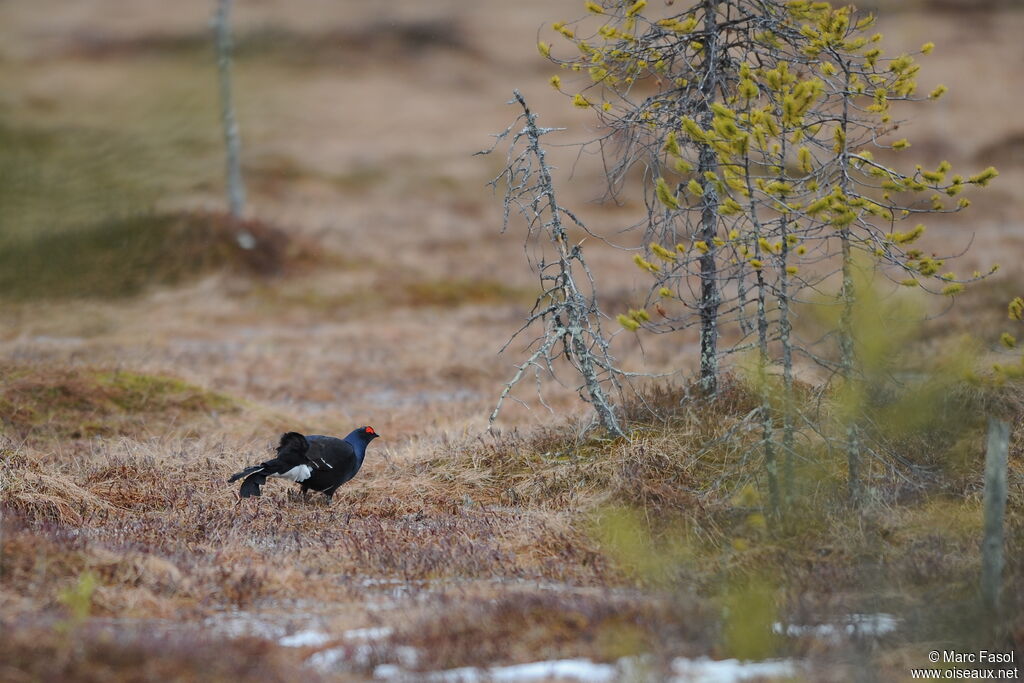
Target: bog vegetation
column 799, row 476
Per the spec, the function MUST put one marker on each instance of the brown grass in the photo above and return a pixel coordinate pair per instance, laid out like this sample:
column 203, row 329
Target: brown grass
column 461, row 524
column 125, row 414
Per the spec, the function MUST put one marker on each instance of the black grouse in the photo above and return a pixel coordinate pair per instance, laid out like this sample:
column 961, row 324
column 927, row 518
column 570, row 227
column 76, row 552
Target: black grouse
column 318, row 463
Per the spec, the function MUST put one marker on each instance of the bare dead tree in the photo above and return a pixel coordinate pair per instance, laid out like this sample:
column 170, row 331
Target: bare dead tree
column 567, row 309
column 229, row 122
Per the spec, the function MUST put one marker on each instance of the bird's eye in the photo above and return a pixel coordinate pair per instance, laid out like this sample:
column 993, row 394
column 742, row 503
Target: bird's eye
column 369, row 430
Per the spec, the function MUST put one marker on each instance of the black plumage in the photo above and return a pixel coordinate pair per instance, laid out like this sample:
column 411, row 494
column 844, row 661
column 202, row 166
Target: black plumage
column 317, row 463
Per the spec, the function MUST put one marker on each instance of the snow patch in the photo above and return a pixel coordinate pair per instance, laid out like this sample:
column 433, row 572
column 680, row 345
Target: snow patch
column 327, row 660
column 368, row 633
column 855, row 625
column 305, row 639
column 243, row 624
column 563, row 670
column 360, row 655
column 706, row 670
column 701, row 670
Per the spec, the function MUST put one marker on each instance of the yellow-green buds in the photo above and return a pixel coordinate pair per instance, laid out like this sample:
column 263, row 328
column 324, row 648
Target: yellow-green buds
column 672, row 145
column 693, row 130
column 662, row 253
column 985, row 177
column 665, row 195
column 627, row 322
column 953, row 289
column 682, row 166
column 563, row 29
column 636, row 8
column 1016, row 309
column 644, row 264
column 907, row 237
column 805, row 159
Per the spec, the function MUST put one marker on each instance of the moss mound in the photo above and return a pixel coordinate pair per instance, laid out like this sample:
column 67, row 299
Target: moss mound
column 82, row 402
column 123, row 256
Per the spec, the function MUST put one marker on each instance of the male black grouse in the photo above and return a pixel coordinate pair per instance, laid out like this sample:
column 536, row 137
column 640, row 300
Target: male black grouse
column 318, row 463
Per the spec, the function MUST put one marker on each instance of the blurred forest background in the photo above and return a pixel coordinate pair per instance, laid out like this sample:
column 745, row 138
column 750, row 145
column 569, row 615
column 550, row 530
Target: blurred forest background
column 144, row 353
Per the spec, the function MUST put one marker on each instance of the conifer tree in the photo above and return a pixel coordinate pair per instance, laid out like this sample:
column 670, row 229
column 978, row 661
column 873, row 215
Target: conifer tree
column 756, row 124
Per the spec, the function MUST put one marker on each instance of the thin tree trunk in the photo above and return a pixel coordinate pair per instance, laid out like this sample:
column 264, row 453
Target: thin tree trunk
column 229, row 123
column 771, row 464
column 785, row 332
column 788, row 400
column 847, row 354
column 710, row 298
column 847, row 362
column 995, row 508
column 767, row 419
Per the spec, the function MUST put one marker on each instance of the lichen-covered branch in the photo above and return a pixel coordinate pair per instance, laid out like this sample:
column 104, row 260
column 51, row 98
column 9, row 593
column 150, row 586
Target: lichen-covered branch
column 567, row 308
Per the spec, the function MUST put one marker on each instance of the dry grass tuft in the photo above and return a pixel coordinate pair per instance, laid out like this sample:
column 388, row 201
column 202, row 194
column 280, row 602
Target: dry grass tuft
column 680, row 449
column 30, row 490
